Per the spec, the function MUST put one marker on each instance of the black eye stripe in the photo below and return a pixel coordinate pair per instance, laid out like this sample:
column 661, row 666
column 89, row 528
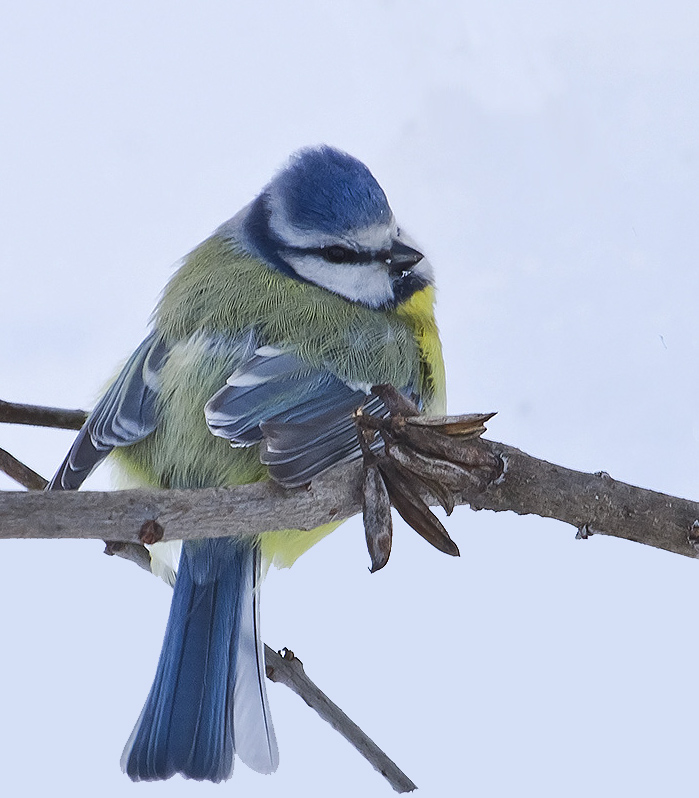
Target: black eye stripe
column 343, row 255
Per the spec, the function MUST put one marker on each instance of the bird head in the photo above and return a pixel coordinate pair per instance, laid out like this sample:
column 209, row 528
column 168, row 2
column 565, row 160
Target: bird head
column 325, row 220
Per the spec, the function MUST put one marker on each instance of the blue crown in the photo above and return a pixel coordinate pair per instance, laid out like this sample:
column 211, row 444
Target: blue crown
column 327, row 190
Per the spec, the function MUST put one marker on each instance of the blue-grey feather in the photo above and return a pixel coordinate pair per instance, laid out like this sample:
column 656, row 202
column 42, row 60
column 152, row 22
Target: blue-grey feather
column 298, row 452
column 126, row 413
column 280, row 383
column 304, row 414
column 187, row 724
column 337, row 400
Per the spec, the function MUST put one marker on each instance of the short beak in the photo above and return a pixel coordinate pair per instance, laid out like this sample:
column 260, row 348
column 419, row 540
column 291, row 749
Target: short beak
column 403, row 257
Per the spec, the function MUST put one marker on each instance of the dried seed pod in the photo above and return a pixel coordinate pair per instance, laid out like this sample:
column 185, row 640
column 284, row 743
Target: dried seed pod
column 405, row 498
column 466, row 453
column 416, row 478
column 443, row 495
column 450, row 475
column 378, row 524
column 470, row 425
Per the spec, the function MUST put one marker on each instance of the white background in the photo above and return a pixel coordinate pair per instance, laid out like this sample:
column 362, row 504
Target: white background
column 545, row 156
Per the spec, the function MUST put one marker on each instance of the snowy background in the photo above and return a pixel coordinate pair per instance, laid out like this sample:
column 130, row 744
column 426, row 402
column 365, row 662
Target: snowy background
column 546, row 157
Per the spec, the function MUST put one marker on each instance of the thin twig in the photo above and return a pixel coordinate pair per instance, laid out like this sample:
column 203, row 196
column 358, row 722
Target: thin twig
column 20, row 472
column 134, row 552
column 14, row 413
column 286, row 668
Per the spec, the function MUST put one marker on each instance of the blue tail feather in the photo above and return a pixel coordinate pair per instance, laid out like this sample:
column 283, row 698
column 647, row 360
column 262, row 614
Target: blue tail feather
column 208, row 698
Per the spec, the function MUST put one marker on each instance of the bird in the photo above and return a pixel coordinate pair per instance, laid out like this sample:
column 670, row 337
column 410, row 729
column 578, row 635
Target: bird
column 264, row 343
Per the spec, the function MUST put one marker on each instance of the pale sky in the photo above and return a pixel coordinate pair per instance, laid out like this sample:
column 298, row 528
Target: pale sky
column 546, row 157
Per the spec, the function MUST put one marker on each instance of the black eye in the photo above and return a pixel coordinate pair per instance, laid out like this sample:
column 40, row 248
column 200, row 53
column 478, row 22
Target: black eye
column 337, row 254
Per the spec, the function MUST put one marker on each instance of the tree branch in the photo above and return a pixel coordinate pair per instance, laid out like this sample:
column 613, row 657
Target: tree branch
column 183, row 514
column 592, row 503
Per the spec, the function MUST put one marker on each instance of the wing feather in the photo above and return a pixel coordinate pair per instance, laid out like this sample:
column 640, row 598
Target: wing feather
column 303, row 415
column 126, row 413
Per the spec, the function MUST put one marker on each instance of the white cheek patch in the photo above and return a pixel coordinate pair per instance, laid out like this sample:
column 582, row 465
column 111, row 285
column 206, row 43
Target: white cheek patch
column 367, row 283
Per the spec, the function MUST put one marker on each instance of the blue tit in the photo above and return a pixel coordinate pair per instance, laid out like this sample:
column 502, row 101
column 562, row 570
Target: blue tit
column 265, row 341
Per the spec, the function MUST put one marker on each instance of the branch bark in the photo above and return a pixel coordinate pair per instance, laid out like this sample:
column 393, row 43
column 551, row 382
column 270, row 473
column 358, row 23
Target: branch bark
column 592, row 503
column 37, row 416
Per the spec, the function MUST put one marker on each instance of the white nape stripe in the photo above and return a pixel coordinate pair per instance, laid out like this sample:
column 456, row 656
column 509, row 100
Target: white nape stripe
column 374, row 237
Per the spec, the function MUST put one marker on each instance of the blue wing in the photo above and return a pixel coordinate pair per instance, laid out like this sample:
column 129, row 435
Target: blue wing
column 125, row 414
column 302, row 414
